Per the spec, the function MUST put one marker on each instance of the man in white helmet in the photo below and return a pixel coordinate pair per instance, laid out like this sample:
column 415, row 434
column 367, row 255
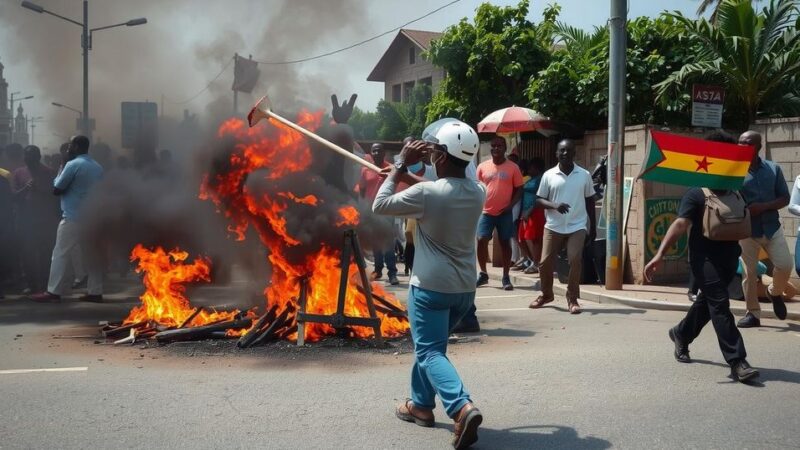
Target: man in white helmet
column 442, row 284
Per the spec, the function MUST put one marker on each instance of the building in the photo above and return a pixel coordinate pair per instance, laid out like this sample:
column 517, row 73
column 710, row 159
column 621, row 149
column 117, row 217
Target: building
column 21, row 128
column 402, row 66
column 5, row 114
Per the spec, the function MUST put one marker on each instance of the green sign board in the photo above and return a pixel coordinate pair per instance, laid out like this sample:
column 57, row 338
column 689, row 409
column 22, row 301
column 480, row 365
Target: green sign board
column 659, row 213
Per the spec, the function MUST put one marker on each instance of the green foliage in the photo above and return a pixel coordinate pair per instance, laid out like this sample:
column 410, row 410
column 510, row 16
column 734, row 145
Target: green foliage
column 398, row 120
column 574, row 87
column 365, row 124
column 756, row 57
column 490, row 61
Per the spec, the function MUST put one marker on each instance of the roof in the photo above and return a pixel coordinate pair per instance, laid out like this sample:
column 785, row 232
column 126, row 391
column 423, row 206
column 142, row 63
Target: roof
column 421, row 39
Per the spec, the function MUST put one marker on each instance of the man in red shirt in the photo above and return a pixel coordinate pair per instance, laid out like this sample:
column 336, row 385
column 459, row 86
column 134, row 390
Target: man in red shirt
column 503, row 181
column 383, row 250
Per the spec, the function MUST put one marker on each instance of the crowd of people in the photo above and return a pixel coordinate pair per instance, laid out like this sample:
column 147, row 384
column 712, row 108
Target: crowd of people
column 43, row 249
column 454, row 216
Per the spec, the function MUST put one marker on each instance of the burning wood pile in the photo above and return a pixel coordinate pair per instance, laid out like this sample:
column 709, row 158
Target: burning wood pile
column 314, row 290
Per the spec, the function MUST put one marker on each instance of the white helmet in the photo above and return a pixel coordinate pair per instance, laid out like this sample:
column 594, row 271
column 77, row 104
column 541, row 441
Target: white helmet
column 458, row 138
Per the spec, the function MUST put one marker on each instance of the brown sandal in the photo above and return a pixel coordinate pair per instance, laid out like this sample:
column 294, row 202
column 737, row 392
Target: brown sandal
column 574, row 308
column 539, row 302
column 405, row 412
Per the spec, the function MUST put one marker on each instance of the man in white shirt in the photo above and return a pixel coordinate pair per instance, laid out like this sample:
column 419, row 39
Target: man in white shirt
column 566, row 193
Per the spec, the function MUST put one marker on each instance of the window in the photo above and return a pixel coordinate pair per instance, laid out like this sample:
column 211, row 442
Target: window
column 412, row 55
column 396, row 96
column 407, row 88
column 428, row 81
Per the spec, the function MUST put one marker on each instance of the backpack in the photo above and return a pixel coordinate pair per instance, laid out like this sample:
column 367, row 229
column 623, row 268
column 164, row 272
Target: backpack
column 726, row 217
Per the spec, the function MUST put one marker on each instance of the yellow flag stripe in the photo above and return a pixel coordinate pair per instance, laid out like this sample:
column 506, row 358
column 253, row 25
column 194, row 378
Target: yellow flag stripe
column 716, row 166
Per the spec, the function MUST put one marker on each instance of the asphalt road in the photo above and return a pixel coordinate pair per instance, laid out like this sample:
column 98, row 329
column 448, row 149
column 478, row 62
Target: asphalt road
column 543, row 379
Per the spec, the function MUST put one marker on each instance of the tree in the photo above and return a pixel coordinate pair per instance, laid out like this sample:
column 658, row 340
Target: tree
column 490, row 61
column 756, row 57
column 365, row 124
column 574, row 87
column 398, row 120
column 705, row 4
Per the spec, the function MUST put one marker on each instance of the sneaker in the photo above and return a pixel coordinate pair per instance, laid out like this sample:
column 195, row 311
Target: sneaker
column 531, row 269
column 507, row 286
column 45, row 297
column 393, row 280
column 749, row 321
column 681, row 348
column 778, row 305
column 741, row 371
column 483, row 278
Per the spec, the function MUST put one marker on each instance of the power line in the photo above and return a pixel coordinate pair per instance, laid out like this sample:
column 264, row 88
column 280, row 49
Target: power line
column 295, row 61
column 208, row 85
column 311, row 58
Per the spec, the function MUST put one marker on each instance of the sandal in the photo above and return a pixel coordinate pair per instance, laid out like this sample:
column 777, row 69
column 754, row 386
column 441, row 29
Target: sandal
column 405, row 412
column 574, row 308
column 539, row 302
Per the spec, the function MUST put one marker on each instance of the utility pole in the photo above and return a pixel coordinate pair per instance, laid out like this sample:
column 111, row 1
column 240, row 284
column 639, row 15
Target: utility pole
column 616, row 144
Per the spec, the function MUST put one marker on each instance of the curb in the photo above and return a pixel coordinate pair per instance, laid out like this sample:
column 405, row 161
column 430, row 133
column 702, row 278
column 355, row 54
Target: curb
column 596, row 297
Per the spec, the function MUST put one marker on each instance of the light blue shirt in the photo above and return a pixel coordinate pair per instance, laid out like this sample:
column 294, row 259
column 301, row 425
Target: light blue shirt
column 76, row 180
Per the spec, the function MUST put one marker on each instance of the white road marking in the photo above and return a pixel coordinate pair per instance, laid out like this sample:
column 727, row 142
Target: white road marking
column 505, row 296
column 505, row 309
column 54, row 369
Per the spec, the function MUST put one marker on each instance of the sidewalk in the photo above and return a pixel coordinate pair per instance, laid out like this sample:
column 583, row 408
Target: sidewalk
column 644, row 297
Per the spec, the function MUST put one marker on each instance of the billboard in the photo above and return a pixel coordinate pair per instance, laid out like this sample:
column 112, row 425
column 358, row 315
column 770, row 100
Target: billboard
column 139, row 124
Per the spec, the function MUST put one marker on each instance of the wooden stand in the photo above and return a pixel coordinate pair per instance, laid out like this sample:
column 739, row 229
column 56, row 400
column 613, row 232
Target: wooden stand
column 339, row 320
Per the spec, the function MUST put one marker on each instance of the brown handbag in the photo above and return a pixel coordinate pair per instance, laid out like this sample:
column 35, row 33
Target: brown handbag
column 726, row 217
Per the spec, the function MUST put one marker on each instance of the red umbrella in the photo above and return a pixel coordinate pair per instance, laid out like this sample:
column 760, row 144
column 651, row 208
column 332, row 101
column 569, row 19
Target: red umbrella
column 516, row 119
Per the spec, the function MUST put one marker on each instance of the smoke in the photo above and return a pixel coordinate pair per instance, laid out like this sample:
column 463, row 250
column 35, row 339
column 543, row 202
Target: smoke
column 183, row 45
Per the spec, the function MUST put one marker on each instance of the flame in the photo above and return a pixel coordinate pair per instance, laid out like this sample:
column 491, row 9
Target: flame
column 165, row 277
column 282, row 154
column 349, row 216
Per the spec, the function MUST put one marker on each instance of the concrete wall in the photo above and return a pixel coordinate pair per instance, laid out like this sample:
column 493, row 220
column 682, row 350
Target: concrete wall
column 400, row 72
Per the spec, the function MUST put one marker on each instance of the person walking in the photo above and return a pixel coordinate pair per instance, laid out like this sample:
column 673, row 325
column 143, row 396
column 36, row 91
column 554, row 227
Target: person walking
column 566, row 193
column 383, row 252
column 713, row 264
column 532, row 220
column 765, row 192
column 794, row 208
column 73, row 185
column 503, row 182
column 442, row 285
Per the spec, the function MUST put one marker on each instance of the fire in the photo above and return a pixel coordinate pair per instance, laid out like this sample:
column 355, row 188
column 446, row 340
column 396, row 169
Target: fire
column 348, row 215
column 282, row 153
column 165, row 277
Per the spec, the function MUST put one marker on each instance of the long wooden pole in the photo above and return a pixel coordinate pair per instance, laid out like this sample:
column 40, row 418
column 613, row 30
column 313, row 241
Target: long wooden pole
column 323, row 141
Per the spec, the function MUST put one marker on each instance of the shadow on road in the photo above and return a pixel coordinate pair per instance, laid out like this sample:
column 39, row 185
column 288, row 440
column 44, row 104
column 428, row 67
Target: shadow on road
column 507, row 332
column 767, row 374
column 536, row 436
column 602, row 311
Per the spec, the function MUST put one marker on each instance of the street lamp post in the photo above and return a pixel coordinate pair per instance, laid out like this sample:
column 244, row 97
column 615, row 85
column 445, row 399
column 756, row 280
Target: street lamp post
column 33, row 121
column 80, row 114
column 86, row 45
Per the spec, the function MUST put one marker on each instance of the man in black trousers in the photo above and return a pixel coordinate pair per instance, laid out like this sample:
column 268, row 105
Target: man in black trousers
column 713, row 265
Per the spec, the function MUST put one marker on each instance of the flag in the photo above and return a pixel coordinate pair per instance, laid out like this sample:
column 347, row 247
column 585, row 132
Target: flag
column 687, row 161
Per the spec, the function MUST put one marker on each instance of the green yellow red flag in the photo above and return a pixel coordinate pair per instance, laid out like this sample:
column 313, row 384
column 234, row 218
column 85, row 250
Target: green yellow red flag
column 688, row 161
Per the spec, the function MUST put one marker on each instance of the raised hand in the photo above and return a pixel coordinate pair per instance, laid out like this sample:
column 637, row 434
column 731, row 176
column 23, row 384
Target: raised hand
column 341, row 114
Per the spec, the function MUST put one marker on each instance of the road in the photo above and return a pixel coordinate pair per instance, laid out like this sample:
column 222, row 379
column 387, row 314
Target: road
column 543, row 379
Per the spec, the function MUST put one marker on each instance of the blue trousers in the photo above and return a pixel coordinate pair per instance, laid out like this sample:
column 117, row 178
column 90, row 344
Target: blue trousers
column 386, row 257
column 432, row 315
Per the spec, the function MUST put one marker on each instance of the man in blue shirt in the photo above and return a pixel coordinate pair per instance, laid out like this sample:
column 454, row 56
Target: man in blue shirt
column 765, row 192
column 73, row 185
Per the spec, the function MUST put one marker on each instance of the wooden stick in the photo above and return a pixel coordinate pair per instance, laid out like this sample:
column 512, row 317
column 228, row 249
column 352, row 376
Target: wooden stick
column 194, row 314
column 185, row 334
column 248, row 338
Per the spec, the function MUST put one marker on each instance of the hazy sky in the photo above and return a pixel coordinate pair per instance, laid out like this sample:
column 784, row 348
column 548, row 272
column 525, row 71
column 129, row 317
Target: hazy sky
column 187, row 42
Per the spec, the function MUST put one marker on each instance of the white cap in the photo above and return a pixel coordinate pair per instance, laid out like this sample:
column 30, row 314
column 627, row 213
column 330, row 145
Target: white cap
column 458, row 138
